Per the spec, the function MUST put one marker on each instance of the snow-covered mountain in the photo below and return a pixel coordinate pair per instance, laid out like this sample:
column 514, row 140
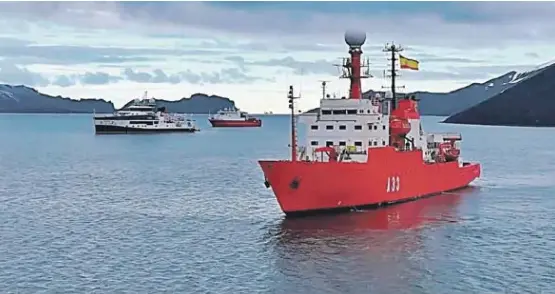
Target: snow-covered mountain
column 528, row 99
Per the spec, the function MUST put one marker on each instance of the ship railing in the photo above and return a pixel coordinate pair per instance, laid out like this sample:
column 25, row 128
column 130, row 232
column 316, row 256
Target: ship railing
column 447, row 136
column 99, row 115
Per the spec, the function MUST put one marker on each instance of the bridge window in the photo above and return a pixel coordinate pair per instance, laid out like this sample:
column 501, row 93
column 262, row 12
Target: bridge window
column 339, row 111
column 375, row 143
column 342, row 127
column 375, row 127
column 361, row 111
column 326, row 112
column 358, row 143
column 329, row 127
column 141, row 123
column 383, row 143
column 342, row 143
column 352, row 111
column 314, row 127
column 329, row 143
column 368, row 111
column 358, row 127
column 314, row 143
column 383, row 127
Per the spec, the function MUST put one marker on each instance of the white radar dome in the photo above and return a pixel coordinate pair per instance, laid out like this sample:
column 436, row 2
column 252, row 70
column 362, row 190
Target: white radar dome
column 355, row 38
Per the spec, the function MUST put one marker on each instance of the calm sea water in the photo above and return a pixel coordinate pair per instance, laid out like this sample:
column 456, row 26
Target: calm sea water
column 188, row 213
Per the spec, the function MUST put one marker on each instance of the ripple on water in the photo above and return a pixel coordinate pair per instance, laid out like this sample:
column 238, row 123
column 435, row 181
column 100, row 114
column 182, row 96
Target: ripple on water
column 190, row 214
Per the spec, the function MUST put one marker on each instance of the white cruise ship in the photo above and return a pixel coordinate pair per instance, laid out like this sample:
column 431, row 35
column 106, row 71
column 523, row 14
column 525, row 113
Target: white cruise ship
column 142, row 116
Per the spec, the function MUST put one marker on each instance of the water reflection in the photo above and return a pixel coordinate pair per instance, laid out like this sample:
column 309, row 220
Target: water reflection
column 386, row 248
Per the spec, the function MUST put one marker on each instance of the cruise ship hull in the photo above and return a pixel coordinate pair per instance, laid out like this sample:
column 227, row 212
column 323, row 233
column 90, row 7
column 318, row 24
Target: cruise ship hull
column 389, row 176
column 235, row 123
column 108, row 129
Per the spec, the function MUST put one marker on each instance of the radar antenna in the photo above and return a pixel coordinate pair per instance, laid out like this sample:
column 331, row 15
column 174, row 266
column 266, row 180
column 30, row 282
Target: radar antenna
column 393, row 49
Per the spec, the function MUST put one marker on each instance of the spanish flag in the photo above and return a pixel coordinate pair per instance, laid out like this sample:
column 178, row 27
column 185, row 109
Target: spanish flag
column 408, row 63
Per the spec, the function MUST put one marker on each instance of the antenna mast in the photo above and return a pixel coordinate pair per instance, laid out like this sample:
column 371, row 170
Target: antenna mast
column 393, row 49
column 324, row 83
column 292, row 98
column 351, row 67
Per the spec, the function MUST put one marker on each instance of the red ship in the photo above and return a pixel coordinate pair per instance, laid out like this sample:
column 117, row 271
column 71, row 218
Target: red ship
column 233, row 118
column 365, row 152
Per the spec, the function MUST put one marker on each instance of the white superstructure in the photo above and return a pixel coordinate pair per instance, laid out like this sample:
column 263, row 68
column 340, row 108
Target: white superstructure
column 143, row 116
column 230, row 114
column 352, row 126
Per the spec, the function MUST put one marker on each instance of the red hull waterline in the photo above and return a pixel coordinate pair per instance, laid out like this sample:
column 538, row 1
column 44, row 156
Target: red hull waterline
column 235, row 123
column 389, row 176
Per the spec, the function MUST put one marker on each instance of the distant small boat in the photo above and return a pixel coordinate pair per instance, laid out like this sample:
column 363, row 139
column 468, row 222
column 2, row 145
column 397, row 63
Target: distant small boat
column 142, row 116
column 232, row 117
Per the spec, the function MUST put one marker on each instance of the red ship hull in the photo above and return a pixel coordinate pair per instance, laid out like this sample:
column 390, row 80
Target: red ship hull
column 389, row 176
column 235, row 123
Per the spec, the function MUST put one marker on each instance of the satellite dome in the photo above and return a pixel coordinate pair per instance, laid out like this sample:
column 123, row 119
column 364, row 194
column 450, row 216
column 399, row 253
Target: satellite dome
column 355, row 38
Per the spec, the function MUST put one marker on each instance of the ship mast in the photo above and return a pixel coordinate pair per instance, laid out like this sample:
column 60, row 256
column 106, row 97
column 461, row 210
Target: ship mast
column 292, row 98
column 393, row 49
column 351, row 67
column 324, row 83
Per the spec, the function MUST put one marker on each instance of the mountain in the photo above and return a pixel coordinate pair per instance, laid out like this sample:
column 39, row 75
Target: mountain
column 445, row 104
column 22, row 99
column 528, row 101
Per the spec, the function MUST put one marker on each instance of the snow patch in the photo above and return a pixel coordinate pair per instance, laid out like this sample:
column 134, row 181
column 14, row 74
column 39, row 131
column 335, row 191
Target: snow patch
column 521, row 76
column 8, row 95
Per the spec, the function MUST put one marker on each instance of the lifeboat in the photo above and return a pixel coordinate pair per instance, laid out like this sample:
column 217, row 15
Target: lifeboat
column 399, row 126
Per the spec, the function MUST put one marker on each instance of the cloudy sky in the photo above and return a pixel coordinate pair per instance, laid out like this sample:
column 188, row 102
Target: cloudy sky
column 251, row 51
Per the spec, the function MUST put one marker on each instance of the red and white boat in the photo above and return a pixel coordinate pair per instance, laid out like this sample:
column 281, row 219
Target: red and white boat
column 365, row 152
column 232, row 117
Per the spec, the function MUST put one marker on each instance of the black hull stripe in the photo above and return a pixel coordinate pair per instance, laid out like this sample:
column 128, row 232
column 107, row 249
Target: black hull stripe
column 123, row 130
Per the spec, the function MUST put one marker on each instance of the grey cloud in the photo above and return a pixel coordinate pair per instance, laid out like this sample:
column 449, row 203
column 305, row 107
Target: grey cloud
column 6, row 42
column 463, row 73
column 327, row 67
column 158, row 76
column 98, row 78
column 299, row 67
column 507, row 23
column 507, row 12
column 23, row 52
column 426, row 57
column 14, row 74
column 63, row 81
column 227, row 75
column 443, row 75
